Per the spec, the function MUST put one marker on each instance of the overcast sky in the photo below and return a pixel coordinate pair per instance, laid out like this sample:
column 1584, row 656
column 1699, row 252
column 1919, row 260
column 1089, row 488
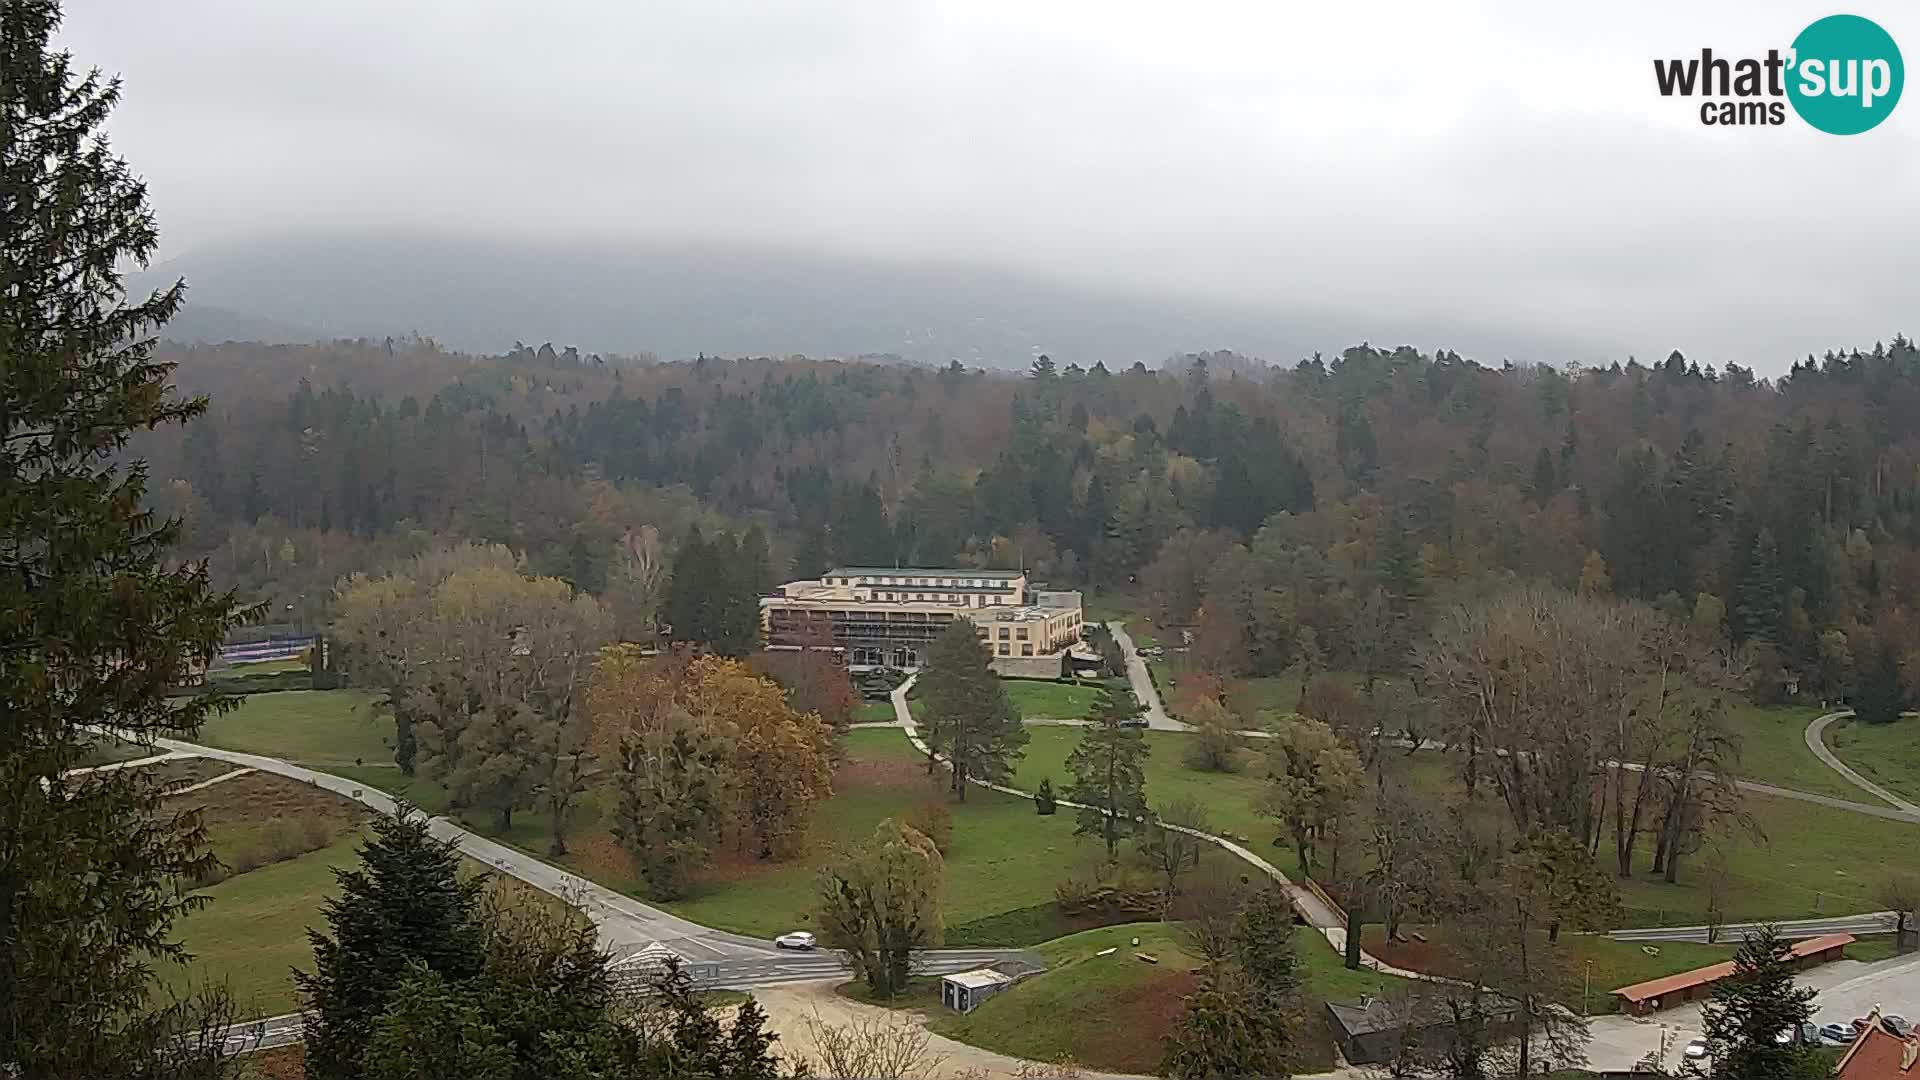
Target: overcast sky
column 1503, row 164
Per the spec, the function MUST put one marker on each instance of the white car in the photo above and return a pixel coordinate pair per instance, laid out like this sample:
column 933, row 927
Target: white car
column 798, row 939
column 1696, row 1049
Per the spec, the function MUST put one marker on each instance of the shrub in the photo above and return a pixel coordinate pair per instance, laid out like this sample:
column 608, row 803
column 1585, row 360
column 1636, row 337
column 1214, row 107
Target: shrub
column 934, row 821
column 1043, row 800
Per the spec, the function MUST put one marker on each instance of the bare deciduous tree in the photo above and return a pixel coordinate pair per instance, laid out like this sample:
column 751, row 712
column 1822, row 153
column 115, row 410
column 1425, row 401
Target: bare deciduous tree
column 885, row 1046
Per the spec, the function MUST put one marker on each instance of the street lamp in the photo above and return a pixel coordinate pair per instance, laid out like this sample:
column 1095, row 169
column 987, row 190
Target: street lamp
column 1586, row 1008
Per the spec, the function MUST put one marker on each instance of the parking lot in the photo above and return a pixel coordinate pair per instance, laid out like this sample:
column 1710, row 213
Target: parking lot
column 1847, row 989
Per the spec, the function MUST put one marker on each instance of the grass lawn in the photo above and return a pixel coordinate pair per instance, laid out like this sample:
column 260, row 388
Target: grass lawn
column 1612, row 964
column 873, row 712
column 1110, row 1012
column 1887, row 754
column 1228, row 797
column 1813, row 861
column 311, row 727
column 1775, row 752
column 1109, row 606
column 1003, row 857
column 254, row 930
column 1002, row 865
column 1038, row 699
column 1101, row 1012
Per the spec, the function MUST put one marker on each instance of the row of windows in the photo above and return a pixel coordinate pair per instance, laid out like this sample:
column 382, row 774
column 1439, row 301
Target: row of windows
column 1021, row 633
column 924, row 582
column 1025, row 650
column 956, row 601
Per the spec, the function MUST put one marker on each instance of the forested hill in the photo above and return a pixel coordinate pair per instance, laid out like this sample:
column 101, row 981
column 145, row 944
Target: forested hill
column 482, row 294
column 1779, row 513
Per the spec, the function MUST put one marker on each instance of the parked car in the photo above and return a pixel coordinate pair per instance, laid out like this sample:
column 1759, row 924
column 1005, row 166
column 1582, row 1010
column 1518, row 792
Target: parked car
column 1838, row 1034
column 1896, row 1025
column 1696, row 1049
column 798, row 939
column 1804, row 1035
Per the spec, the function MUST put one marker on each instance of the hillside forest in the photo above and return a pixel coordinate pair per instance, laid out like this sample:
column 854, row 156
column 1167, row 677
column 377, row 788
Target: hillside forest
column 1320, row 514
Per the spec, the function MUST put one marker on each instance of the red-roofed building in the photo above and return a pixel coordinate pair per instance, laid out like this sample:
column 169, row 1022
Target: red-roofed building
column 1877, row 1055
column 1668, row 991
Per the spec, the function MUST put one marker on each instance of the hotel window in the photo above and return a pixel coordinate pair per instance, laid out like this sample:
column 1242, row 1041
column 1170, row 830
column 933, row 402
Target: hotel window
column 1003, row 632
column 1022, row 634
column 1003, row 649
column 1026, row 650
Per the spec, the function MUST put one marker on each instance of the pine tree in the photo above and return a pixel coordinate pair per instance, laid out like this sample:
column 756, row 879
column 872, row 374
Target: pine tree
column 1755, row 1004
column 1544, row 484
column 1109, row 771
column 969, row 718
column 1044, row 803
column 1400, row 564
column 1758, row 611
column 100, row 619
column 406, row 909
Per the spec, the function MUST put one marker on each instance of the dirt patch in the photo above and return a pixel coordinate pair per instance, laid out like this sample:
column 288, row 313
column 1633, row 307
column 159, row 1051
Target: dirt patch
column 260, row 796
column 182, row 772
column 788, row 1008
column 1137, row 1018
column 279, row 1063
column 1412, row 954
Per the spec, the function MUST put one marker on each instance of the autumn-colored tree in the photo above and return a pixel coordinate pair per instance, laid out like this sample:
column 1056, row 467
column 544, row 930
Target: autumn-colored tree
column 880, row 902
column 1311, row 774
column 1550, row 865
column 781, row 759
column 815, row 680
column 1216, row 742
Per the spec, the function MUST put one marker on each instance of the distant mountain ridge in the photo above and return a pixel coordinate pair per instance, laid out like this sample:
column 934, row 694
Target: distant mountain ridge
column 483, row 296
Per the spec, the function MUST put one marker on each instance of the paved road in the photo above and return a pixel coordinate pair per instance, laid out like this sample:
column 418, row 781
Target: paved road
column 625, row 924
column 736, row 974
column 1872, row 922
column 1817, row 743
column 1142, row 682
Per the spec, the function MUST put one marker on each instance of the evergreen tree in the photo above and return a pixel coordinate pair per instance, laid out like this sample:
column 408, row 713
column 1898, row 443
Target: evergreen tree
column 1109, row 772
column 690, row 590
column 1544, row 484
column 1043, row 801
column 1880, row 697
column 405, row 910
column 101, row 619
column 969, row 718
column 1758, row 610
column 1400, row 564
column 1755, row 1004
column 1263, row 949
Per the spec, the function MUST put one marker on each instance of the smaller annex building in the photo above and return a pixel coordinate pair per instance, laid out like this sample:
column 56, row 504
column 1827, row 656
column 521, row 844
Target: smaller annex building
column 1640, row 999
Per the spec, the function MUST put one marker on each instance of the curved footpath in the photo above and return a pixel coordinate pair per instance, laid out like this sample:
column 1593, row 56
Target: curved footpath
column 1314, row 910
column 1816, row 742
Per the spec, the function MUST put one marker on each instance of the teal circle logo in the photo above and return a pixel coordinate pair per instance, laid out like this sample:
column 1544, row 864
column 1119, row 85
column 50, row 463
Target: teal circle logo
column 1846, row 74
